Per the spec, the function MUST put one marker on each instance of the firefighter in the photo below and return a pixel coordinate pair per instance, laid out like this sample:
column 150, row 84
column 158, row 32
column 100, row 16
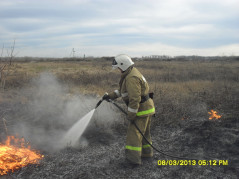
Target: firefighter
column 134, row 90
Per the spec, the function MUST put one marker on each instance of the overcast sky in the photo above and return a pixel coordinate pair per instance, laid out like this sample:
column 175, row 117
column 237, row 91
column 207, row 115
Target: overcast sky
column 52, row 28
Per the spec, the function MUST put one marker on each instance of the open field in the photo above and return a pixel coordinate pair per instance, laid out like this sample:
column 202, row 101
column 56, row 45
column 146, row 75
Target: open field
column 47, row 94
column 178, row 86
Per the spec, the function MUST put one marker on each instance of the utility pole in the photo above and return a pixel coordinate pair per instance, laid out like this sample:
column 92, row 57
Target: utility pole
column 73, row 52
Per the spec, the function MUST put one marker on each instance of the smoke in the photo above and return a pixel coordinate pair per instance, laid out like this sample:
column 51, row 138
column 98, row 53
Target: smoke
column 52, row 111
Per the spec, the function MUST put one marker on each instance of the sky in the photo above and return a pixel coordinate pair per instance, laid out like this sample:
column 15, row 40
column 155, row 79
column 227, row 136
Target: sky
column 52, row 28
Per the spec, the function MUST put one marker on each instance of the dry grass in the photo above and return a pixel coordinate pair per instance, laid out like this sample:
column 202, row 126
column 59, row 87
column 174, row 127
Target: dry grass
column 183, row 90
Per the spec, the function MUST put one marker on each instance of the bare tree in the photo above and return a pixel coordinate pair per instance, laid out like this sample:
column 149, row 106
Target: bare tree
column 6, row 64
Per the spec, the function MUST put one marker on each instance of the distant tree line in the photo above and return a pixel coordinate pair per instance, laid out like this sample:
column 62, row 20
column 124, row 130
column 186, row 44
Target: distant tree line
column 110, row 58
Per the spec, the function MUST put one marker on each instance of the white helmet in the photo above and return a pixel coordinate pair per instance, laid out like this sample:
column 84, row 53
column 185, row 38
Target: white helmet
column 122, row 61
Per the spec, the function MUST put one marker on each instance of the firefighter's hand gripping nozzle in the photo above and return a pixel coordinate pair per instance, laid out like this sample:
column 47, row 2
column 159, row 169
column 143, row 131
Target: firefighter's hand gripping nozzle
column 105, row 97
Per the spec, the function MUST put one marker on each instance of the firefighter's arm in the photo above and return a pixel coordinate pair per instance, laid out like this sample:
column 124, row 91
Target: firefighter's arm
column 133, row 88
column 114, row 95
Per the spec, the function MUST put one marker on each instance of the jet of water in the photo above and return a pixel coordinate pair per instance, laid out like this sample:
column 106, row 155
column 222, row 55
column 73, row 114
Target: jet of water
column 75, row 132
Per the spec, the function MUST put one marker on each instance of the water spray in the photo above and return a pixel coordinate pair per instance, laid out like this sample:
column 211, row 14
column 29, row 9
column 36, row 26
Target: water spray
column 74, row 133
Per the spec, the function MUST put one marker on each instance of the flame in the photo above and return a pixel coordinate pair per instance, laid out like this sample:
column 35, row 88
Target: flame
column 214, row 115
column 14, row 154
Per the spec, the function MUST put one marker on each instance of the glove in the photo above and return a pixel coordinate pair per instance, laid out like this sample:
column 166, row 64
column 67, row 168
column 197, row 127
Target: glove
column 106, row 97
column 132, row 116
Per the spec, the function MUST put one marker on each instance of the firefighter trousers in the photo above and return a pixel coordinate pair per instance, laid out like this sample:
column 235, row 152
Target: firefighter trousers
column 137, row 147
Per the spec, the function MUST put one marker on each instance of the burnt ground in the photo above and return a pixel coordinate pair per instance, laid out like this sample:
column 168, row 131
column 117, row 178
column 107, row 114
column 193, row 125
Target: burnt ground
column 103, row 155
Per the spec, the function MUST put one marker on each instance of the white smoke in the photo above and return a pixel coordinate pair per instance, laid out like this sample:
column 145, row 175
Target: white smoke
column 52, row 111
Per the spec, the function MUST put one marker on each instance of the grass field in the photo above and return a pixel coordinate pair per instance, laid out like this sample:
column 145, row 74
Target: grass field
column 182, row 90
column 42, row 100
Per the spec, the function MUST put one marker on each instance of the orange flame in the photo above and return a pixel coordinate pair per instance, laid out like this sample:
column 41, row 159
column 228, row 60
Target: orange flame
column 214, row 115
column 14, row 154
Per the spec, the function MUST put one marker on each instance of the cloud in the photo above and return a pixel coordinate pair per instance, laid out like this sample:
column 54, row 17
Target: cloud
column 66, row 24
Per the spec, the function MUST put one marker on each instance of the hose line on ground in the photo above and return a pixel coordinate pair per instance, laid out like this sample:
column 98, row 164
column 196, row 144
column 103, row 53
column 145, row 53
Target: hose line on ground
column 160, row 151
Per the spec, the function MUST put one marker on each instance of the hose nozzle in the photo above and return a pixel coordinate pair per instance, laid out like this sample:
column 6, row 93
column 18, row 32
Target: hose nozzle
column 97, row 105
column 102, row 99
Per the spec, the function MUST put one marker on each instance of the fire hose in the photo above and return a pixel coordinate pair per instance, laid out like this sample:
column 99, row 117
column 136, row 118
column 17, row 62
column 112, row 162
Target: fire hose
column 159, row 151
